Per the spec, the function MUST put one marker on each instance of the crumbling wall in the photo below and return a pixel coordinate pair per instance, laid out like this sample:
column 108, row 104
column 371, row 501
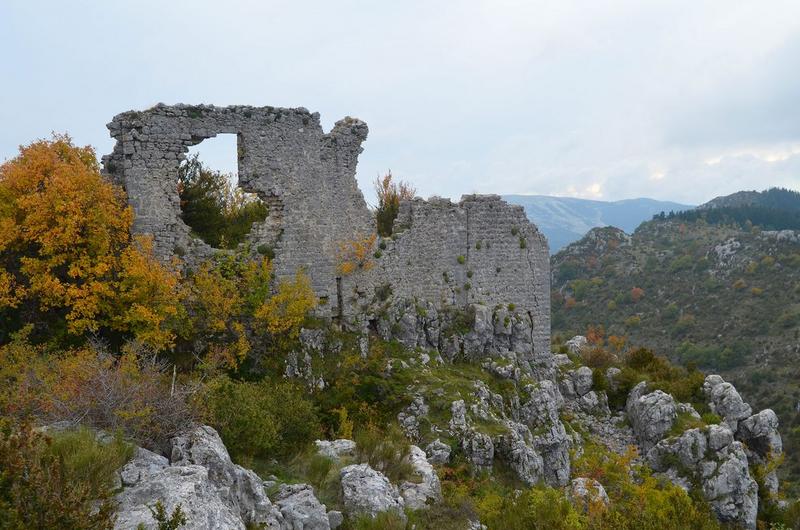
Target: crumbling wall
column 306, row 177
column 479, row 251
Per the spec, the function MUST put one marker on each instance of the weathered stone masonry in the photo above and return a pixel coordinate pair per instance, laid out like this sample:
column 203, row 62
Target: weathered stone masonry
column 479, row 251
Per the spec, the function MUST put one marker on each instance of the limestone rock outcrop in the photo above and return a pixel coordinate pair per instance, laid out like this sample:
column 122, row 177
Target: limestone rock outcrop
column 716, row 458
column 651, row 414
column 300, row 508
column 200, row 476
column 366, row 491
column 583, row 492
column 427, row 490
column 336, row 449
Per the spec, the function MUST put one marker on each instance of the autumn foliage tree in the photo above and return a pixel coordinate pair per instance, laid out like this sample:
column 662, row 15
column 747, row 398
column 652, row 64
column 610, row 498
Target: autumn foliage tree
column 390, row 194
column 233, row 297
column 66, row 251
column 355, row 255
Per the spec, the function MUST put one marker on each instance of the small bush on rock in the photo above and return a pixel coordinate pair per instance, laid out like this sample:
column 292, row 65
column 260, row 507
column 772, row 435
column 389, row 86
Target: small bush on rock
column 385, row 450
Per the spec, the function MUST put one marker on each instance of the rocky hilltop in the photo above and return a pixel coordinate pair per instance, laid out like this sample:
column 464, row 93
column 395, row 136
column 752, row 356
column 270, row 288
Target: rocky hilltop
column 500, row 415
column 716, row 295
column 316, row 374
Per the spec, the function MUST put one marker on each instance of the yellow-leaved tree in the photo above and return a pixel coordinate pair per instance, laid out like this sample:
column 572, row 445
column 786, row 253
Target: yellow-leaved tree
column 67, row 262
column 283, row 313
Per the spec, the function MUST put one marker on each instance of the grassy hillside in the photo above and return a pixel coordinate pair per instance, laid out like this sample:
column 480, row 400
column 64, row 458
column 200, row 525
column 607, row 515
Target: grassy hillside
column 718, row 296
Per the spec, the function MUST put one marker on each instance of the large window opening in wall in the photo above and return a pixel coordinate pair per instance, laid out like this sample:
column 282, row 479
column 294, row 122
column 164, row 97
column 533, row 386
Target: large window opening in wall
column 213, row 205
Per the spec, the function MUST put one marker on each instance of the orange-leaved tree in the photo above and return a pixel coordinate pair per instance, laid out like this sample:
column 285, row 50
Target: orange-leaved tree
column 66, row 259
column 355, row 255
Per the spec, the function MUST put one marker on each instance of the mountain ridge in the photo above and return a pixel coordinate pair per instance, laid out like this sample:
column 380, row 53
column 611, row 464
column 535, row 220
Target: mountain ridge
column 567, row 219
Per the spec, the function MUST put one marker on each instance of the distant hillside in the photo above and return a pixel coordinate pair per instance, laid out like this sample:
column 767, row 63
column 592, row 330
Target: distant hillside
column 778, row 198
column 716, row 295
column 567, row 219
column 773, row 209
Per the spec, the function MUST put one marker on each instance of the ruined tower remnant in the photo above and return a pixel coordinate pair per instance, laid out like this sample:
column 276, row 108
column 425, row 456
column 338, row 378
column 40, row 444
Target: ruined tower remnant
column 481, row 252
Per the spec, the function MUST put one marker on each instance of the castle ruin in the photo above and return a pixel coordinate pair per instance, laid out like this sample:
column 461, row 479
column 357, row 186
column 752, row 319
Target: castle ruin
column 480, row 252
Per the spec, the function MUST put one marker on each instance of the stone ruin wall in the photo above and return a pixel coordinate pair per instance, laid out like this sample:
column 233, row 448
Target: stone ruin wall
column 307, row 178
column 478, row 251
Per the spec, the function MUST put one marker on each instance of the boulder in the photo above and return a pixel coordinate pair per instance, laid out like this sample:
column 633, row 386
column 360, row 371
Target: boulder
column 719, row 465
column 409, row 417
column 724, row 400
column 142, row 466
column 438, row 452
column 582, row 380
column 576, row 344
column 729, row 488
column 763, row 442
column 336, row 449
column 651, row 414
column 366, row 491
column 335, row 519
column 719, row 436
column 540, row 413
column 760, row 433
column 516, row 450
column 300, row 508
column 554, row 444
column 458, row 422
column 239, row 487
column 561, row 359
column 417, row 495
column 479, row 450
column 584, row 492
column 689, row 448
column 188, row 486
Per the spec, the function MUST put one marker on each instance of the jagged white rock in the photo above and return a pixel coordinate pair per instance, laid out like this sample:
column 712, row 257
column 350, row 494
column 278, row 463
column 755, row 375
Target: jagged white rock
column 725, row 400
column 212, row 491
column 367, row 491
column 300, row 508
column 438, row 452
column 336, row 449
column 585, row 491
column 651, row 414
column 417, row 495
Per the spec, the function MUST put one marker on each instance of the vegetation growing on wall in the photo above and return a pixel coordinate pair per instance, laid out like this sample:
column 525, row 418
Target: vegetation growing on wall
column 217, row 211
column 390, row 194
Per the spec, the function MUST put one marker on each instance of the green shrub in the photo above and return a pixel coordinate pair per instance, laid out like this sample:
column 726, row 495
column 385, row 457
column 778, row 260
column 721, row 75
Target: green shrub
column 461, row 259
column 89, row 461
column 681, row 263
column 216, row 211
column 262, row 419
column 382, row 521
column 63, row 481
column 167, row 522
column 534, row 509
column 266, row 250
column 386, row 450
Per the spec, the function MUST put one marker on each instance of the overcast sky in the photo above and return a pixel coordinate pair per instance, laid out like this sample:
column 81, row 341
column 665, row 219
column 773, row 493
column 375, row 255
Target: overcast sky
column 678, row 100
